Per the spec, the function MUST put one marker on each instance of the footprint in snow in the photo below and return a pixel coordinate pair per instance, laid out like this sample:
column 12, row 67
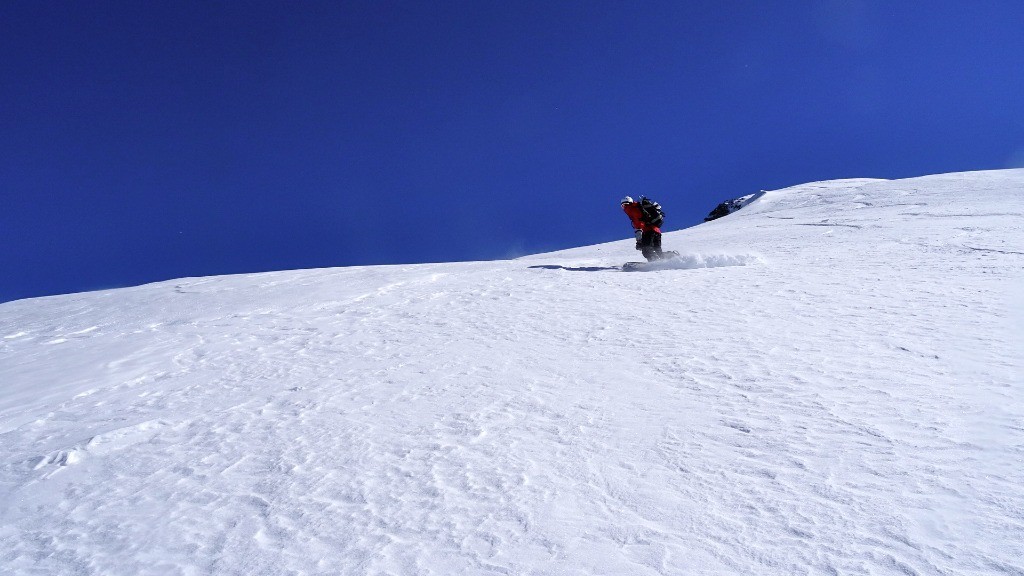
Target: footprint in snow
column 737, row 426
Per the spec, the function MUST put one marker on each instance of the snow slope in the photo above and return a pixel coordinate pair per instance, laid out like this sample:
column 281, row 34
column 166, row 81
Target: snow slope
column 831, row 383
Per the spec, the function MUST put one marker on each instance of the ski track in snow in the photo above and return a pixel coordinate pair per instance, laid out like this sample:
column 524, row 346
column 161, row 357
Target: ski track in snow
column 829, row 384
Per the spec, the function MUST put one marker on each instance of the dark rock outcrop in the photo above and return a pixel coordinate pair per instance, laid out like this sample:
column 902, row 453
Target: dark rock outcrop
column 730, row 206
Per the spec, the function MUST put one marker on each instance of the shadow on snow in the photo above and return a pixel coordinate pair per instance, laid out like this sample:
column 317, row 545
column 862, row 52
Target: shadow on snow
column 576, row 269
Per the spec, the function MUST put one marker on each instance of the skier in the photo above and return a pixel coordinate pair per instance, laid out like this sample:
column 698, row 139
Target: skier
column 647, row 217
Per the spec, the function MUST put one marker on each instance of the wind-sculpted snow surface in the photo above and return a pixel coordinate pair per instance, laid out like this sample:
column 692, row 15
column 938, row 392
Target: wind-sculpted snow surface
column 832, row 386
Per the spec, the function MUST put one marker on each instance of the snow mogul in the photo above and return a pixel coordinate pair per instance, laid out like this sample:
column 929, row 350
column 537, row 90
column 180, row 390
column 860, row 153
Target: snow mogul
column 647, row 217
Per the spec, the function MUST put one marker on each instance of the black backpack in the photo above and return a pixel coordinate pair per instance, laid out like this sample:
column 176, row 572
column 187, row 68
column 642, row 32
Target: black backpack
column 653, row 214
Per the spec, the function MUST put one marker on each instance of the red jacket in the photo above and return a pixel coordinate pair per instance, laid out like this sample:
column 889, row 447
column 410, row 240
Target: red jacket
column 636, row 215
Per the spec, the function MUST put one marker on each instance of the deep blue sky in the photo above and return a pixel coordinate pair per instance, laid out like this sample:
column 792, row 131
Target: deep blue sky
column 142, row 141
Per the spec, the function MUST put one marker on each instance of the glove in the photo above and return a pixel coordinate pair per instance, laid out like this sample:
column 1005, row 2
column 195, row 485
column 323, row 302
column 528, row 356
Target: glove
column 639, row 236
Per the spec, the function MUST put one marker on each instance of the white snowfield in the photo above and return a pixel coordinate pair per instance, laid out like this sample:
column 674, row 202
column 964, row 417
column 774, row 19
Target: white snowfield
column 830, row 383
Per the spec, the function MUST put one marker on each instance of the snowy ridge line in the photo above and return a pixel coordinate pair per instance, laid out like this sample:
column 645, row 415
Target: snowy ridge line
column 836, row 398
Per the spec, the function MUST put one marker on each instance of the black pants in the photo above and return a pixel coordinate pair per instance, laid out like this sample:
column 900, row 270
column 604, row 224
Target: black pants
column 650, row 245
